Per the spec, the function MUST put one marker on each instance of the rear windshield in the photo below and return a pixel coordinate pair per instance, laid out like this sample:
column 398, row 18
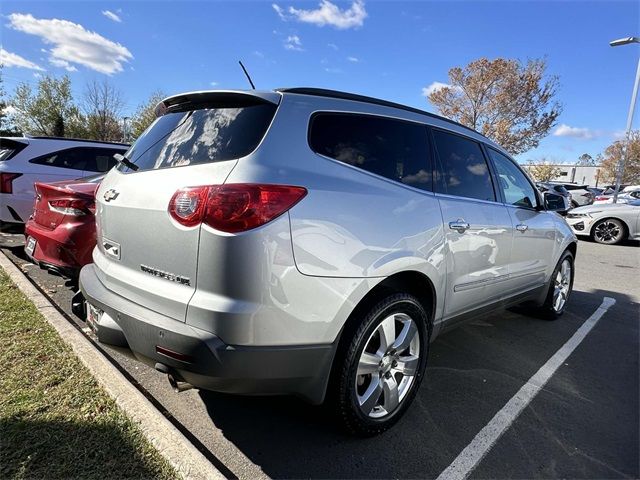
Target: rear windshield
column 9, row 148
column 200, row 136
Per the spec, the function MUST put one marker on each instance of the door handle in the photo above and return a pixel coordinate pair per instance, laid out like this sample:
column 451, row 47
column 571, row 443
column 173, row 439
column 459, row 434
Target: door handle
column 522, row 227
column 459, row 225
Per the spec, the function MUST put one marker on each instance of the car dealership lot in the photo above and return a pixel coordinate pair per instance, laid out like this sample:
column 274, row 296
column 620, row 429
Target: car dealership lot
column 584, row 423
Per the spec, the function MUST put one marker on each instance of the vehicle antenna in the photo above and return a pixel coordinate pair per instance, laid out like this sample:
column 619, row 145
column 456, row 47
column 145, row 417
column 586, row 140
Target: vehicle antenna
column 253, row 87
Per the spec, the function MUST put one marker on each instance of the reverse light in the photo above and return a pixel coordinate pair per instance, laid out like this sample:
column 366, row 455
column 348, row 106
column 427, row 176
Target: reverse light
column 68, row 206
column 6, row 181
column 234, row 207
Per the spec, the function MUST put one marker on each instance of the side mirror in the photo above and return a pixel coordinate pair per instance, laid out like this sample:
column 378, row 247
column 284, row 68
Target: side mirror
column 555, row 203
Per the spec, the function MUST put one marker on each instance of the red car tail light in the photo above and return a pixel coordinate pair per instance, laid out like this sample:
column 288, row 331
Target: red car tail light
column 68, row 206
column 235, row 207
column 600, row 197
column 6, row 181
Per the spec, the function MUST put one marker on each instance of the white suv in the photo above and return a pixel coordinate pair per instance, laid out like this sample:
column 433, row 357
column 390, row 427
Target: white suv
column 25, row 160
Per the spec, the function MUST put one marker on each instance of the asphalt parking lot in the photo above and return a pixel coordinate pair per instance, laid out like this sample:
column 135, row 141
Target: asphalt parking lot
column 584, row 423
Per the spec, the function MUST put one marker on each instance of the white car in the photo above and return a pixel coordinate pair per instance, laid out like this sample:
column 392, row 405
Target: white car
column 626, row 195
column 608, row 224
column 25, row 160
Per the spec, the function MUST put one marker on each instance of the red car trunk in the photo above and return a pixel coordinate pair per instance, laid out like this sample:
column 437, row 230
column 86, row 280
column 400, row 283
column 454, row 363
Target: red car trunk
column 61, row 232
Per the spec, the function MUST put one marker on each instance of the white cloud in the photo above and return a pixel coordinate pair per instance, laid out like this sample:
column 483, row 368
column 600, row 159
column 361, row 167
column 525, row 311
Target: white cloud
column 327, row 13
column 332, row 45
column 293, row 43
column 9, row 59
column 435, row 86
column 258, row 53
column 353, row 59
column 56, row 62
column 111, row 16
column 332, row 70
column 213, row 84
column 72, row 43
column 10, row 110
column 564, row 130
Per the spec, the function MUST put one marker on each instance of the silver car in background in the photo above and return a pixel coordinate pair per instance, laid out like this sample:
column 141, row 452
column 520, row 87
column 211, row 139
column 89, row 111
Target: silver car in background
column 313, row 242
column 607, row 223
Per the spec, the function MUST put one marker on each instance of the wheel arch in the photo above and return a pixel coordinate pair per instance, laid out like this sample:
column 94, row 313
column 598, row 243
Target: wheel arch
column 412, row 282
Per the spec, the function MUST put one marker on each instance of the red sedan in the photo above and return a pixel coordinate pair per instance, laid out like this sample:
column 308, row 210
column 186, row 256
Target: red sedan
column 61, row 232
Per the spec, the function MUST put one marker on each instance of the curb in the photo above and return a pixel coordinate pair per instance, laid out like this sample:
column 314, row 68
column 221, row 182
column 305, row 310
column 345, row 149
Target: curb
column 186, row 459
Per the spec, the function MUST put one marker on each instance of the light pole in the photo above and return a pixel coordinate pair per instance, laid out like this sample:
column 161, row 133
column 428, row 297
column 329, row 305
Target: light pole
column 125, row 133
column 634, row 95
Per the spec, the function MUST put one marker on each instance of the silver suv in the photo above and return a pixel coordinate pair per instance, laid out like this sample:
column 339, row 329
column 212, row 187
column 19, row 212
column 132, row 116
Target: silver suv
column 313, row 242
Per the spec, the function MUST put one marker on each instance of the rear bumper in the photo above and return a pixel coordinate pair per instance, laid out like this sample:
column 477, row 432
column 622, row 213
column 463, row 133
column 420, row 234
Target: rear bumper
column 207, row 362
column 65, row 249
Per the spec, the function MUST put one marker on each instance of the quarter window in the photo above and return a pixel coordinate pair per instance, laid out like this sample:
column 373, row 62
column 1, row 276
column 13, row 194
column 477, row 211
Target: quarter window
column 394, row 149
column 463, row 169
column 516, row 189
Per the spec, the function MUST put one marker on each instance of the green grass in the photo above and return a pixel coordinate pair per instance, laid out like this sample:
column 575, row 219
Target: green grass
column 55, row 420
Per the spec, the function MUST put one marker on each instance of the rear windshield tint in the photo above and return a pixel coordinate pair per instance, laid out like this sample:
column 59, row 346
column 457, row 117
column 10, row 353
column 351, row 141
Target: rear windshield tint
column 200, row 136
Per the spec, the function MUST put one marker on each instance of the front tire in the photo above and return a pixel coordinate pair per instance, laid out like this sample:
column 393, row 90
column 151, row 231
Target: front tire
column 381, row 364
column 609, row 231
column 560, row 288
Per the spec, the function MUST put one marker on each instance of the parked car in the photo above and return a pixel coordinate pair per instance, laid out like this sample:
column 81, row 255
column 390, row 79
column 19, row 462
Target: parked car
column 609, row 224
column 312, row 242
column 580, row 194
column 61, row 232
column 26, row 160
column 558, row 189
column 625, row 195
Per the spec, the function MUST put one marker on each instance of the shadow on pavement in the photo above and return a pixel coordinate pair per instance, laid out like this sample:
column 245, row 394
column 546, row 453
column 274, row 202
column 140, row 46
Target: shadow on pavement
column 472, row 373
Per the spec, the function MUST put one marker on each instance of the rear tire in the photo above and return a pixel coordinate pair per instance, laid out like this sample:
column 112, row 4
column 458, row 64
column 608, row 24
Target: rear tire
column 380, row 365
column 560, row 288
column 609, row 231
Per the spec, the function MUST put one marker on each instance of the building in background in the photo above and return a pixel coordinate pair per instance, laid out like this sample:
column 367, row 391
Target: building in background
column 580, row 174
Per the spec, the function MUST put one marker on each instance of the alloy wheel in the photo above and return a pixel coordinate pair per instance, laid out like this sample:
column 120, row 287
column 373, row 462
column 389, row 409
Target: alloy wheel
column 607, row 231
column 562, row 285
column 388, row 365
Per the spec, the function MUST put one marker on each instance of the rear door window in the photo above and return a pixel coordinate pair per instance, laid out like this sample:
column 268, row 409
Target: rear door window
column 72, row 158
column 200, row 136
column 101, row 159
column 395, row 149
column 463, row 170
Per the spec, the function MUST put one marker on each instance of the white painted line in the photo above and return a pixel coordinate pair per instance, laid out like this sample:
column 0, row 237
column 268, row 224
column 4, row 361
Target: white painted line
column 473, row 453
column 185, row 458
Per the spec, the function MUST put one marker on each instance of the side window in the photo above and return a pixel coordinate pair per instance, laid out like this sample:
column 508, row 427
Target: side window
column 463, row 169
column 74, row 158
column 394, row 149
column 101, row 159
column 517, row 190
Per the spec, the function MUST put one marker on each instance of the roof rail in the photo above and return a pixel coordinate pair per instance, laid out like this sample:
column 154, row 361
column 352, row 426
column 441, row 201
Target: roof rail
column 44, row 137
column 322, row 92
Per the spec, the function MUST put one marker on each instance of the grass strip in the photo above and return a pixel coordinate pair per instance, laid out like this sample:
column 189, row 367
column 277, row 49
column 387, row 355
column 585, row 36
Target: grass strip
column 55, row 420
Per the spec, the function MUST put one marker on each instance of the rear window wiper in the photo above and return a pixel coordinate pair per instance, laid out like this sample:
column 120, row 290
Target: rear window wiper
column 120, row 158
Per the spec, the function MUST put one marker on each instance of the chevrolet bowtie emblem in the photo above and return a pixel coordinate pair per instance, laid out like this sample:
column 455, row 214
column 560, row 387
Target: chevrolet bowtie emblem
column 110, row 195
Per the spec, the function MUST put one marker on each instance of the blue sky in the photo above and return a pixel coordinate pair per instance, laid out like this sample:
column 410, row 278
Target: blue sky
column 392, row 50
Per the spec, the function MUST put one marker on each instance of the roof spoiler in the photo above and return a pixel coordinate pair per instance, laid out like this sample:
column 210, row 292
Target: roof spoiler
column 218, row 98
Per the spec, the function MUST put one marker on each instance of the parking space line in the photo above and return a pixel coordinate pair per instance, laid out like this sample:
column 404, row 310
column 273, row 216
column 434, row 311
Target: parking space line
column 473, row 453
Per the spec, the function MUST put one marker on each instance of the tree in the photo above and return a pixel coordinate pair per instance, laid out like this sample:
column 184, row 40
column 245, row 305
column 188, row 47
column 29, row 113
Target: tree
column 49, row 110
column 508, row 101
column 586, row 160
column 6, row 127
column 102, row 106
column 613, row 154
column 145, row 113
column 543, row 171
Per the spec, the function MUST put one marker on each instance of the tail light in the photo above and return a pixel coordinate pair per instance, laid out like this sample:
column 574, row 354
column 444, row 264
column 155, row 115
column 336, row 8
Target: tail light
column 233, row 207
column 6, row 181
column 601, row 197
column 72, row 206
